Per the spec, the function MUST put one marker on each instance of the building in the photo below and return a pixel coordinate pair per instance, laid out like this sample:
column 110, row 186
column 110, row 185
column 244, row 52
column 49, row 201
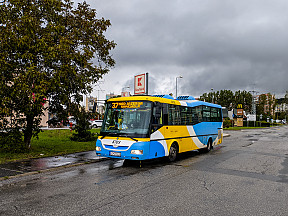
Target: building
column 268, row 101
column 281, row 105
column 91, row 104
column 111, row 95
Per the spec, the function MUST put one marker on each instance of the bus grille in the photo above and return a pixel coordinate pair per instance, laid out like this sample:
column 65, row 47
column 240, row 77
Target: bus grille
column 111, row 147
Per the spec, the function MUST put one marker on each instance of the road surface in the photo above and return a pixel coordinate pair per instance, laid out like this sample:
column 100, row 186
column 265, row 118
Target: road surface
column 246, row 175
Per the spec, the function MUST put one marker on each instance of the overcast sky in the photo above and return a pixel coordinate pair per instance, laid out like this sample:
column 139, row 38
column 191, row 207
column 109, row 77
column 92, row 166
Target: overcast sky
column 219, row 44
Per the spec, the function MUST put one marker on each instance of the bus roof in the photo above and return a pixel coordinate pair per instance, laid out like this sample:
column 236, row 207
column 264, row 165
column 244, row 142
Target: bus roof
column 163, row 99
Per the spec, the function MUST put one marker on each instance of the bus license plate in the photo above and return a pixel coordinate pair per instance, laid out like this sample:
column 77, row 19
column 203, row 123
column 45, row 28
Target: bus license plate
column 116, row 154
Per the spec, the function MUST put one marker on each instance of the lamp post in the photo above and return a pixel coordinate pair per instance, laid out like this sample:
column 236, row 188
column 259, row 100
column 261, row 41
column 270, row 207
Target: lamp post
column 212, row 96
column 127, row 87
column 176, row 83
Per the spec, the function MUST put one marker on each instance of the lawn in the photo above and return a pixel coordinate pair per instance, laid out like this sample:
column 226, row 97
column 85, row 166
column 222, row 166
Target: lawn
column 50, row 143
column 242, row 128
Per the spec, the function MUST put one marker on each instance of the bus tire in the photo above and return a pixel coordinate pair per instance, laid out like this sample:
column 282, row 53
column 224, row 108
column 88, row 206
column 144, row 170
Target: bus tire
column 173, row 152
column 128, row 162
column 209, row 146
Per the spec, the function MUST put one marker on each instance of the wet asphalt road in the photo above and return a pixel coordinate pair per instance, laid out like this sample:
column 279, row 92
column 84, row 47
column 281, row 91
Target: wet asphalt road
column 40, row 164
column 246, row 175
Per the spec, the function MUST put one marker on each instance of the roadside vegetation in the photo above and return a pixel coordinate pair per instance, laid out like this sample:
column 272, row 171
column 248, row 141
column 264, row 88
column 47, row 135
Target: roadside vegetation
column 52, row 54
column 51, row 143
column 243, row 128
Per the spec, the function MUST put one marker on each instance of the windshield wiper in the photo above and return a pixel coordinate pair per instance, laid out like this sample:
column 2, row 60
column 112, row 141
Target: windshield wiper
column 109, row 133
column 119, row 135
column 126, row 135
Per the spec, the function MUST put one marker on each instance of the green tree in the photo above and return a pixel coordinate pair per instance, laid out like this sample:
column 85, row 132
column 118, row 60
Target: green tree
column 244, row 98
column 226, row 98
column 48, row 50
column 260, row 108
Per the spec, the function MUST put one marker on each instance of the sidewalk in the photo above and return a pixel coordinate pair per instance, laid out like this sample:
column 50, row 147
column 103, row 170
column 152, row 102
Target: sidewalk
column 40, row 164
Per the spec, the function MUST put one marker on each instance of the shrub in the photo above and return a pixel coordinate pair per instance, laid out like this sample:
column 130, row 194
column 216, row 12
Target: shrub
column 227, row 123
column 12, row 142
column 82, row 127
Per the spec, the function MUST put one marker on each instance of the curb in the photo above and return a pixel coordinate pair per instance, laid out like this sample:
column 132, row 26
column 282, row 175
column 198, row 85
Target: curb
column 226, row 135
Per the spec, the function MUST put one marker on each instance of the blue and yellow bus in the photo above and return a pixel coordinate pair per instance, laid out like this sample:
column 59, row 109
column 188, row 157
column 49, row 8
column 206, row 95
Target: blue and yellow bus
column 147, row 127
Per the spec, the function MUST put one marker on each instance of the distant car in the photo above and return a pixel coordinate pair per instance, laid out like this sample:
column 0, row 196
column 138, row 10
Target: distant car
column 96, row 123
column 72, row 121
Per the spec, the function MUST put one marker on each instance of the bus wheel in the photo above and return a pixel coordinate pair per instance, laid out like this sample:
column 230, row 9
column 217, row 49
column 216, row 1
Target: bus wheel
column 209, row 145
column 208, row 148
column 128, row 162
column 173, row 152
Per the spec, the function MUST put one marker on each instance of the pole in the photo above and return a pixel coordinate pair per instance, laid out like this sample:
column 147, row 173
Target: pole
column 147, row 83
column 254, row 105
column 176, row 87
column 176, row 83
column 212, row 95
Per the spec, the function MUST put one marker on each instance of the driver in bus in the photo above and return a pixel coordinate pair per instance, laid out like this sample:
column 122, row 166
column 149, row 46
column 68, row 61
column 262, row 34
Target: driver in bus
column 121, row 125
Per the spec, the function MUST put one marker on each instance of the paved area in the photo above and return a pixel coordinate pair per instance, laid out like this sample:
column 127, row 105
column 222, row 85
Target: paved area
column 42, row 164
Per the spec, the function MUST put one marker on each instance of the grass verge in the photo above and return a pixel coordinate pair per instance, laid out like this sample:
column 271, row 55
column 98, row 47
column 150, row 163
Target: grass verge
column 51, row 143
column 242, row 128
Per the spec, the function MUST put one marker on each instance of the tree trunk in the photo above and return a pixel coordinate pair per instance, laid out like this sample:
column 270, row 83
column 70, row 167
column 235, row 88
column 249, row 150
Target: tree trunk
column 28, row 132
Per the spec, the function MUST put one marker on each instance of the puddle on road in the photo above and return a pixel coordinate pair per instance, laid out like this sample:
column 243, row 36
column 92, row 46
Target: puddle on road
column 47, row 163
column 253, row 140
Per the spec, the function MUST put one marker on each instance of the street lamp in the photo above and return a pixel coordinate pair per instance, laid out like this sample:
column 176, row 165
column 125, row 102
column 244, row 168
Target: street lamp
column 176, row 83
column 212, row 94
column 127, row 87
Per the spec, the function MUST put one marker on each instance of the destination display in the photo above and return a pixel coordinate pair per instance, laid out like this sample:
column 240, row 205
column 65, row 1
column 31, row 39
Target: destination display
column 128, row 104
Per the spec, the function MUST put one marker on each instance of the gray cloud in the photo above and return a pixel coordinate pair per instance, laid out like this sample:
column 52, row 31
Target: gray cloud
column 217, row 44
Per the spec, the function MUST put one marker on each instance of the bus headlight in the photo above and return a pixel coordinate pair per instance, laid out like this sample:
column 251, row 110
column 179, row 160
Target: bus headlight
column 98, row 148
column 136, row 152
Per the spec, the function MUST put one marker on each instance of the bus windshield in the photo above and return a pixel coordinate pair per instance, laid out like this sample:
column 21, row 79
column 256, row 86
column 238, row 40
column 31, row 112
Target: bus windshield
column 130, row 118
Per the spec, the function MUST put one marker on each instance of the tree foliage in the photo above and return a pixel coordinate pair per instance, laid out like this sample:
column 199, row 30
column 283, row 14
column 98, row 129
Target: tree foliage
column 228, row 99
column 48, row 50
column 82, row 128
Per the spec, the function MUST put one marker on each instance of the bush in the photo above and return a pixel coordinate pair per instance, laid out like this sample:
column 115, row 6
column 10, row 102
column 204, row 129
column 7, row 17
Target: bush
column 82, row 127
column 12, row 142
column 227, row 123
column 257, row 124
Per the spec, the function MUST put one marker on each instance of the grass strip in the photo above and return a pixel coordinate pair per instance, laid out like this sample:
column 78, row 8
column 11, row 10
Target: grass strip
column 51, row 143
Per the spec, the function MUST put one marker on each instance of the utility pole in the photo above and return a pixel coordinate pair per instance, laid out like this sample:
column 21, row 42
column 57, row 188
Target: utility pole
column 254, row 105
column 97, row 101
column 212, row 95
column 180, row 77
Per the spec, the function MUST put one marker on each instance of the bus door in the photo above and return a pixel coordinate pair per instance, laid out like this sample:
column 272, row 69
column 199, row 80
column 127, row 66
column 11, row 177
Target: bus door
column 157, row 117
column 158, row 146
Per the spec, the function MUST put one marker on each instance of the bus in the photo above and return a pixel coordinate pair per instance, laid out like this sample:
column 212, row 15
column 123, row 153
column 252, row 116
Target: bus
column 148, row 127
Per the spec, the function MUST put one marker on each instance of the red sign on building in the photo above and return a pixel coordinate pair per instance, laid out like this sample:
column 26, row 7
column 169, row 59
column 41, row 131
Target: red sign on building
column 140, row 85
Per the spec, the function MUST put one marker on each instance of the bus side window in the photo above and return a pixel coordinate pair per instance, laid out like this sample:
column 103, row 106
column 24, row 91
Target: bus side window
column 165, row 114
column 157, row 117
column 199, row 113
column 174, row 117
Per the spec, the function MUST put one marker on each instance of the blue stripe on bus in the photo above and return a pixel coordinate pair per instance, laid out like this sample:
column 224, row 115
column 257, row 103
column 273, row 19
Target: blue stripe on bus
column 155, row 150
column 203, row 130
